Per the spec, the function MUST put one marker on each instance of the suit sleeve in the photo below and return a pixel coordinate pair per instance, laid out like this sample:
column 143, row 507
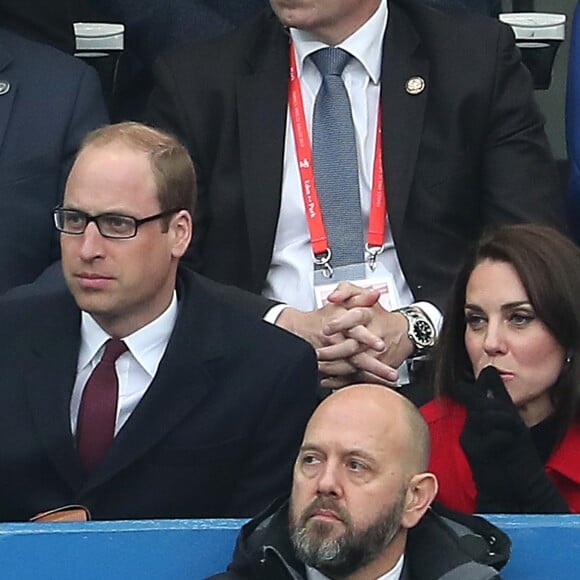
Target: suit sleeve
column 293, row 395
column 518, row 173
column 166, row 111
column 250, row 303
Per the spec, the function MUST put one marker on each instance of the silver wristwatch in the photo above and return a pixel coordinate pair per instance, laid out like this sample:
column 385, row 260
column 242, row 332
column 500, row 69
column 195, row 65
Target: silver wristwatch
column 421, row 331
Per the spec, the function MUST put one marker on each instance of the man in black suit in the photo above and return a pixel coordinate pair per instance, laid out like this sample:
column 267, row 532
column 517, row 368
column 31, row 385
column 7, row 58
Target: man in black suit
column 211, row 403
column 463, row 149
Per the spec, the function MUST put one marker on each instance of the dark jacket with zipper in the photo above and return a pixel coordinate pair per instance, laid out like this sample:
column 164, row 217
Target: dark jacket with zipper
column 444, row 545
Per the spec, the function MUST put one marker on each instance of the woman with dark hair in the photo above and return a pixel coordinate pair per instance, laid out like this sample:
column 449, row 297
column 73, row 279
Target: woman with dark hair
column 505, row 423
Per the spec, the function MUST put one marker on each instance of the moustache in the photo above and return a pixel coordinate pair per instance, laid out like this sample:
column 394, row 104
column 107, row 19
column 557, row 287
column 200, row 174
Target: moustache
column 325, row 503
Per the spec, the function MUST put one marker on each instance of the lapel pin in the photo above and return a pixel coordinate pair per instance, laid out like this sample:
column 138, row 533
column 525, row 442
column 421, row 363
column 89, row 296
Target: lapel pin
column 4, row 87
column 415, row 85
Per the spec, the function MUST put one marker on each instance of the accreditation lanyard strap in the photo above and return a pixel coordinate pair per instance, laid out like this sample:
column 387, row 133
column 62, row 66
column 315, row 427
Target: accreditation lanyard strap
column 318, row 235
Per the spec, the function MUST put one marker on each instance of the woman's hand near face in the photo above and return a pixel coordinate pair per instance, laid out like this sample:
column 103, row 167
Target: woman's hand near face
column 506, row 468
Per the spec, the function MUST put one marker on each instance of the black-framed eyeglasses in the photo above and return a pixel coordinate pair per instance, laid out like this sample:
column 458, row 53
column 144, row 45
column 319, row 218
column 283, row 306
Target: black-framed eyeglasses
column 110, row 225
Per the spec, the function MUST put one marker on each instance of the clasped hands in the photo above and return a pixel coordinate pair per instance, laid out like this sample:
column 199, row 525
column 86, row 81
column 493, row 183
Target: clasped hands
column 355, row 338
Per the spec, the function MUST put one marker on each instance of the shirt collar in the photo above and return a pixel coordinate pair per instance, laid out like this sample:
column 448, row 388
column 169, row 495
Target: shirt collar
column 362, row 44
column 141, row 344
column 393, row 574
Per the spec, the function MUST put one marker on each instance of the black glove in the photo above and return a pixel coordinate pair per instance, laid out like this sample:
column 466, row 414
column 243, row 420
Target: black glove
column 507, row 470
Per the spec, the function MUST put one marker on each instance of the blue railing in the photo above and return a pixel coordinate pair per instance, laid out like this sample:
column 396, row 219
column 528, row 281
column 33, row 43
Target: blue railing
column 544, row 548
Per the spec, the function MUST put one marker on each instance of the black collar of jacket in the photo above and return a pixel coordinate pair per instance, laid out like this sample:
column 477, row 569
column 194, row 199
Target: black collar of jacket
column 443, row 540
column 264, row 549
column 468, row 543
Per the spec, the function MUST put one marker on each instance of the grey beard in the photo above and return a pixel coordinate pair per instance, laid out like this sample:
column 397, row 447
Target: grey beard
column 350, row 552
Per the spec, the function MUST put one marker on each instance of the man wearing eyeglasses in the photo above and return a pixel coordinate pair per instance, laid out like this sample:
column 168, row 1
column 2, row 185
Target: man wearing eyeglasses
column 139, row 393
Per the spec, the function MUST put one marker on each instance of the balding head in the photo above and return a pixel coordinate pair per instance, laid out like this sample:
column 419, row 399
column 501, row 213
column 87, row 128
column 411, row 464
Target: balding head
column 360, row 481
column 384, row 410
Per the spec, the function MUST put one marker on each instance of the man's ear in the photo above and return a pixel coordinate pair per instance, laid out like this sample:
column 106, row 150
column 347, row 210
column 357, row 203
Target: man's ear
column 421, row 492
column 181, row 230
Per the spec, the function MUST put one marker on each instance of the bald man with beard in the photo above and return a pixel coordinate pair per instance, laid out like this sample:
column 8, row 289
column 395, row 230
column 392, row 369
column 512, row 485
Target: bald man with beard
column 361, row 501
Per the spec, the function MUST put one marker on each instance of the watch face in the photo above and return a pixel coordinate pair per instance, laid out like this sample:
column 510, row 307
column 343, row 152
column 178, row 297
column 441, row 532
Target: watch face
column 423, row 333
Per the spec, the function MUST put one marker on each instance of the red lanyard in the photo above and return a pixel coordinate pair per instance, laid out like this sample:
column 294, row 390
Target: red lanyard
column 318, row 236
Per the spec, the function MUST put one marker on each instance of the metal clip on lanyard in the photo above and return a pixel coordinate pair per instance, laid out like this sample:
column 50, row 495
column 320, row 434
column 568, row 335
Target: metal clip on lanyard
column 323, row 260
column 372, row 253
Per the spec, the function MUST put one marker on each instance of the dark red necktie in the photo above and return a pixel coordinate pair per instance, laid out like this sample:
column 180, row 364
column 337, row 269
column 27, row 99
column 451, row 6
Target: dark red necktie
column 98, row 410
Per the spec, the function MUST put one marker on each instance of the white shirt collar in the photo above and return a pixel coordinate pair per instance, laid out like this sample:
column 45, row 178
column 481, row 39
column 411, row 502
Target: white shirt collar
column 393, row 574
column 142, row 343
column 362, row 44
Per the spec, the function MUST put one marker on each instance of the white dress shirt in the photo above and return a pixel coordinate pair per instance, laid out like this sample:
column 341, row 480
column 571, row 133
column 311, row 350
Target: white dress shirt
column 393, row 574
column 136, row 367
column 290, row 278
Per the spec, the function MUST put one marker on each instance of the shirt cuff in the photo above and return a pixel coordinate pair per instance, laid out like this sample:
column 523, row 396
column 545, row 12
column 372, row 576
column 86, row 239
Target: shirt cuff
column 433, row 313
column 272, row 315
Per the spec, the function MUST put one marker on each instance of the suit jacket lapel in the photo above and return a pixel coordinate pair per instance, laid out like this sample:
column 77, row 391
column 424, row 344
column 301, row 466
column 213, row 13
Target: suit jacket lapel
column 49, row 382
column 181, row 382
column 262, row 103
column 403, row 112
column 405, row 574
column 7, row 96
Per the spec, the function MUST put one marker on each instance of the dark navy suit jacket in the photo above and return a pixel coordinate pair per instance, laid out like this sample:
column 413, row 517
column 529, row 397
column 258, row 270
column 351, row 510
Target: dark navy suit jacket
column 48, row 102
column 215, row 435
